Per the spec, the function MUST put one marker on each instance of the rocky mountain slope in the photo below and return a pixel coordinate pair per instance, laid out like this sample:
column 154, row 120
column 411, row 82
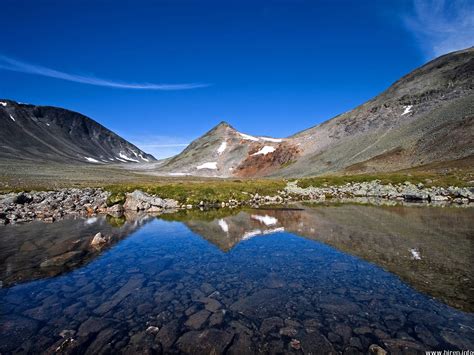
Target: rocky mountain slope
column 425, row 117
column 43, row 134
column 224, row 152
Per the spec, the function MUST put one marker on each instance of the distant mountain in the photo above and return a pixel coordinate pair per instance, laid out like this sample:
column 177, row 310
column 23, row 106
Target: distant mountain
column 44, row 133
column 425, row 117
column 225, row 152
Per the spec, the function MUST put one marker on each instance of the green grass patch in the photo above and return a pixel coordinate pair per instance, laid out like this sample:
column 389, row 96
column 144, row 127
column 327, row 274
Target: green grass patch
column 193, row 192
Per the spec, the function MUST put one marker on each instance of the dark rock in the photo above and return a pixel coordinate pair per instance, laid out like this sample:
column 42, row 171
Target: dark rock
column 217, row 318
column 295, row 344
column 400, row 346
column 15, row 330
column 211, row 304
column 242, row 345
column 62, row 259
column 352, row 351
column 316, row 343
column 271, row 325
column 355, row 342
column 101, row 342
column 260, row 304
column 92, row 325
column 424, row 334
column 168, row 334
column 23, row 198
column 68, row 346
column 132, row 285
column 209, row 341
column 197, row 320
column 207, row 288
column 288, row 331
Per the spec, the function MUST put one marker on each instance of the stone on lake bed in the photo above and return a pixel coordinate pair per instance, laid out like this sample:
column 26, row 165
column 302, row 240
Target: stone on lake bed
column 15, row 329
column 61, row 259
column 92, row 325
column 131, row 285
column 98, row 239
column 261, row 303
column 211, row 304
column 295, row 344
column 376, row 350
column 197, row 320
column 152, row 330
column 271, row 325
column 168, row 333
column 288, row 331
column 209, row 341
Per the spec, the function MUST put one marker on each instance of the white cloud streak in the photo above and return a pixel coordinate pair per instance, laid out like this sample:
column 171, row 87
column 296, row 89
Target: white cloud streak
column 442, row 26
column 11, row 64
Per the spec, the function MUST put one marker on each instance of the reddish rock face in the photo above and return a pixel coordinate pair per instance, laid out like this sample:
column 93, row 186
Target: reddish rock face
column 263, row 164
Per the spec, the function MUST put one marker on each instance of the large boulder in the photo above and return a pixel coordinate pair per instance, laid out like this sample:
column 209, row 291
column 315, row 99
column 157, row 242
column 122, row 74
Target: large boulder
column 141, row 201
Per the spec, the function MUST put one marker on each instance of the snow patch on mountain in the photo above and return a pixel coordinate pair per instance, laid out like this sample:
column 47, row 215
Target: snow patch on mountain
column 4, row 104
column 222, row 147
column 13, row 119
column 123, row 156
column 211, row 165
column 249, row 137
column 407, row 109
column 92, row 160
column 274, row 140
column 265, row 150
column 143, row 158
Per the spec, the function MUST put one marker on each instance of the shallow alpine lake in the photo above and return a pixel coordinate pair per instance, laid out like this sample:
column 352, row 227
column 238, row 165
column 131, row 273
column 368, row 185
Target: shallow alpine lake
column 312, row 280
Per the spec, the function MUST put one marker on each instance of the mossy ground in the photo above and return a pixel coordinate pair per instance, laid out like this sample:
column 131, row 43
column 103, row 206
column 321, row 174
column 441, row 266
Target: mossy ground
column 193, row 192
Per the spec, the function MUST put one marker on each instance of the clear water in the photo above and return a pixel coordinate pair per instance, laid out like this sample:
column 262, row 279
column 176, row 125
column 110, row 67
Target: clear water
column 315, row 280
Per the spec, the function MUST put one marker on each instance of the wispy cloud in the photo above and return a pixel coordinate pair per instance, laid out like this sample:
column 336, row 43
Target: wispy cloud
column 442, row 26
column 11, row 64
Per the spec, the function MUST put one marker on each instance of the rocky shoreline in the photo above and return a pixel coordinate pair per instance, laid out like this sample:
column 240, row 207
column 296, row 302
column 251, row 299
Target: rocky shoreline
column 400, row 192
column 50, row 206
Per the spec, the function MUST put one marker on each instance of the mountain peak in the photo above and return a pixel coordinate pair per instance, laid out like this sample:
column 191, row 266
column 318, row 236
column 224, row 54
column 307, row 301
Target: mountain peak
column 224, row 124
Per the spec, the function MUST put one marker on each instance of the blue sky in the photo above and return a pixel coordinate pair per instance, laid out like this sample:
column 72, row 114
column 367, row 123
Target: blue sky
column 161, row 73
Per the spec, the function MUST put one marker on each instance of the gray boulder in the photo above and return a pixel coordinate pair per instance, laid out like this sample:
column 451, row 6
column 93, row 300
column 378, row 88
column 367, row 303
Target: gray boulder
column 141, row 201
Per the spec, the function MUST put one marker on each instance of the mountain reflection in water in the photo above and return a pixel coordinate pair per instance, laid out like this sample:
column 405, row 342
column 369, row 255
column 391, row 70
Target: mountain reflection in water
column 167, row 288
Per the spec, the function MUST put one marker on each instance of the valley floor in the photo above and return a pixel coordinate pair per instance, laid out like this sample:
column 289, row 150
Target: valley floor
column 25, row 176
